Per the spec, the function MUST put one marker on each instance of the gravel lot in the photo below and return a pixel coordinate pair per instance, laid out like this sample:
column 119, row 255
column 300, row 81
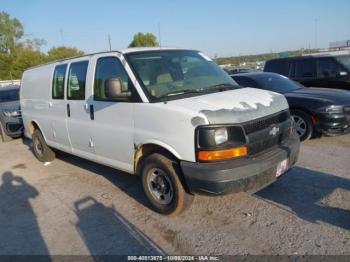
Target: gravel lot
column 73, row 206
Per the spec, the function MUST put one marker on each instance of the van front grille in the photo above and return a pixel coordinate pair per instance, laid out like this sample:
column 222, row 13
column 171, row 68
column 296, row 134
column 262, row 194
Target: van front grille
column 263, row 123
column 266, row 141
column 260, row 136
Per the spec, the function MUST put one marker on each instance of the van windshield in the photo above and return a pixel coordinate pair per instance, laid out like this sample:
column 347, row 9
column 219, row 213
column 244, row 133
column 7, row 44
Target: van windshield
column 173, row 73
column 344, row 60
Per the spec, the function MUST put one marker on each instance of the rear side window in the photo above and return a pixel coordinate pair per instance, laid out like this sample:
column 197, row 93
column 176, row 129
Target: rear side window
column 328, row 67
column 281, row 67
column 77, row 80
column 58, row 82
column 304, row 68
column 108, row 68
column 9, row 95
column 245, row 81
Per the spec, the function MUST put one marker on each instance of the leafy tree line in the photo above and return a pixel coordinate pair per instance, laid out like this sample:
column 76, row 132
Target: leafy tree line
column 236, row 60
column 17, row 54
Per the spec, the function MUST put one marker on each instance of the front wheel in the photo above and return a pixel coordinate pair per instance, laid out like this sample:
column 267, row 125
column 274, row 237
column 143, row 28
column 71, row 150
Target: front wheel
column 41, row 150
column 303, row 124
column 162, row 185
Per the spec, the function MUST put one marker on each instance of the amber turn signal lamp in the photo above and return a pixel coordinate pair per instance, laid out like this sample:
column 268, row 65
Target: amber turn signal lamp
column 222, row 154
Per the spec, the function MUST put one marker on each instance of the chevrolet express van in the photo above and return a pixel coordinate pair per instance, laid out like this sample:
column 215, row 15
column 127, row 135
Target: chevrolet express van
column 171, row 116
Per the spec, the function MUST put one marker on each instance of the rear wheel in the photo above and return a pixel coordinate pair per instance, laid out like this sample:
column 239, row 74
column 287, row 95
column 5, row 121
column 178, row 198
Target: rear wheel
column 303, row 124
column 162, row 185
column 41, row 150
column 3, row 136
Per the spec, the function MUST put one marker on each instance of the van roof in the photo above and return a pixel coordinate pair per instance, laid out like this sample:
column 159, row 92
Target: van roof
column 121, row 51
column 147, row 49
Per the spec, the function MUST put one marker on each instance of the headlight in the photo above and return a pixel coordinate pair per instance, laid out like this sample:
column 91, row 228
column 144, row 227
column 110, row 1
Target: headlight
column 332, row 109
column 12, row 113
column 220, row 136
column 220, row 142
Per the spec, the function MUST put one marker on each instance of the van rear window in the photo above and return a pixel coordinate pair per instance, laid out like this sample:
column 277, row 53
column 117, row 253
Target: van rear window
column 58, row 82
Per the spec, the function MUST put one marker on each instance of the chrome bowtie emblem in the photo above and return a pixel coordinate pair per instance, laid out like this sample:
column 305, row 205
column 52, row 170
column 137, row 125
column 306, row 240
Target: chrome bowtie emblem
column 274, row 131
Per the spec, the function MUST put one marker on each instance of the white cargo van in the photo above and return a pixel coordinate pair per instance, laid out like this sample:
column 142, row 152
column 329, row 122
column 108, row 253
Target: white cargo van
column 170, row 115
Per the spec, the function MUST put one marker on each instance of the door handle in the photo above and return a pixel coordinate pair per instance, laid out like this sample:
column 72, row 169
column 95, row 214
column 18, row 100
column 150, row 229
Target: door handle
column 92, row 114
column 68, row 110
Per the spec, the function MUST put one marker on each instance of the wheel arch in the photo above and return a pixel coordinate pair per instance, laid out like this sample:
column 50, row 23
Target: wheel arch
column 305, row 110
column 145, row 149
column 32, row 126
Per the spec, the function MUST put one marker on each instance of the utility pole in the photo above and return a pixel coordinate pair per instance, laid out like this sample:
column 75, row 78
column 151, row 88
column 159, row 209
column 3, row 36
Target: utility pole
column 316, row 20
column 109, row 42
column 160, row 40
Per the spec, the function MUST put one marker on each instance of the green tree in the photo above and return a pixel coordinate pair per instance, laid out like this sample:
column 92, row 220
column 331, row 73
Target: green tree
column 25, row 58
column 61, row 52
column 144, row 40
column 11, row 30
column 5, row 66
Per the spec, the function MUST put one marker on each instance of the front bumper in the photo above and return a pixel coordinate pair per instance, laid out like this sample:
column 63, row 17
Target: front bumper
column 13, row 126
column 333, row 124
column 246, row 174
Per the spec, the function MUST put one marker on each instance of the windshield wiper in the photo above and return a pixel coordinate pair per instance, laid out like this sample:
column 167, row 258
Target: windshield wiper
column 181, row 92
column 221, row 86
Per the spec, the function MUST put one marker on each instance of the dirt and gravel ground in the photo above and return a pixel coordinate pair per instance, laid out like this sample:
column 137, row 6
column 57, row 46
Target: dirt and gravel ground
column 73, row 206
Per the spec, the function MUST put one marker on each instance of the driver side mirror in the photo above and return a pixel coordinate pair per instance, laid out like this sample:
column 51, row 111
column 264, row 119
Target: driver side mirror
column 114, row 89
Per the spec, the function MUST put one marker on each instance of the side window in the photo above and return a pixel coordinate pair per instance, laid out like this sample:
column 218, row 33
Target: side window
column 109, row 68
column 245, row 81
column 76, row 80
column 58, row 82
column 281, row 67
column 304, row 68
column 327, row 67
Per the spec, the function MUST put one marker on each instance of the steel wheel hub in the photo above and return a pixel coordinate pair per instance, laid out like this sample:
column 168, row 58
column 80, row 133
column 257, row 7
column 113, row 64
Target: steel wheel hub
column 300, row 125
column 38, row 146
column 160, row 186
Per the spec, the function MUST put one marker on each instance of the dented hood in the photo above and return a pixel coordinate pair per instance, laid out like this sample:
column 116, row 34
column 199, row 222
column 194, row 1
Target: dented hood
column 234, row 106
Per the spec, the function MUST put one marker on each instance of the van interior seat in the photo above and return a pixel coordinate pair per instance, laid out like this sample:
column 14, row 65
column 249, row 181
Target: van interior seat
column 164, row 78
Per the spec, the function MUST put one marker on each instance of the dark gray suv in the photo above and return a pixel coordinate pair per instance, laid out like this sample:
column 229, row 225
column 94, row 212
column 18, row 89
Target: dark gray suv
column 11, row 125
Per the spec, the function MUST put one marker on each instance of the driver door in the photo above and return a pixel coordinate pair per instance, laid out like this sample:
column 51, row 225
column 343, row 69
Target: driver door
column 112, row 124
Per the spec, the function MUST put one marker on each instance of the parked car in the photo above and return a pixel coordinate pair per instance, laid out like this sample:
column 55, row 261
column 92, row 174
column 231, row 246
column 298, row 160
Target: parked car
column 240, row 71
column 10, row 114
column 314, row 71
column 170, row 115
column 314, row 110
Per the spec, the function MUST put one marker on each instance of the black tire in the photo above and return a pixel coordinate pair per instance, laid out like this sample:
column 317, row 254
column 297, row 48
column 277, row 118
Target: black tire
column 3, row 137
column 40, row 149
column 303, row 124
column 168, row 176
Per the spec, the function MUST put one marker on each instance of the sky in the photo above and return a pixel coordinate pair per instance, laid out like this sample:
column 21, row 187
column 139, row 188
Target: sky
column 218, row 28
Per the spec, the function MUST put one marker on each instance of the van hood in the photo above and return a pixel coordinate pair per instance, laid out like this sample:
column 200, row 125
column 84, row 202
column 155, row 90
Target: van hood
column 234, row 106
